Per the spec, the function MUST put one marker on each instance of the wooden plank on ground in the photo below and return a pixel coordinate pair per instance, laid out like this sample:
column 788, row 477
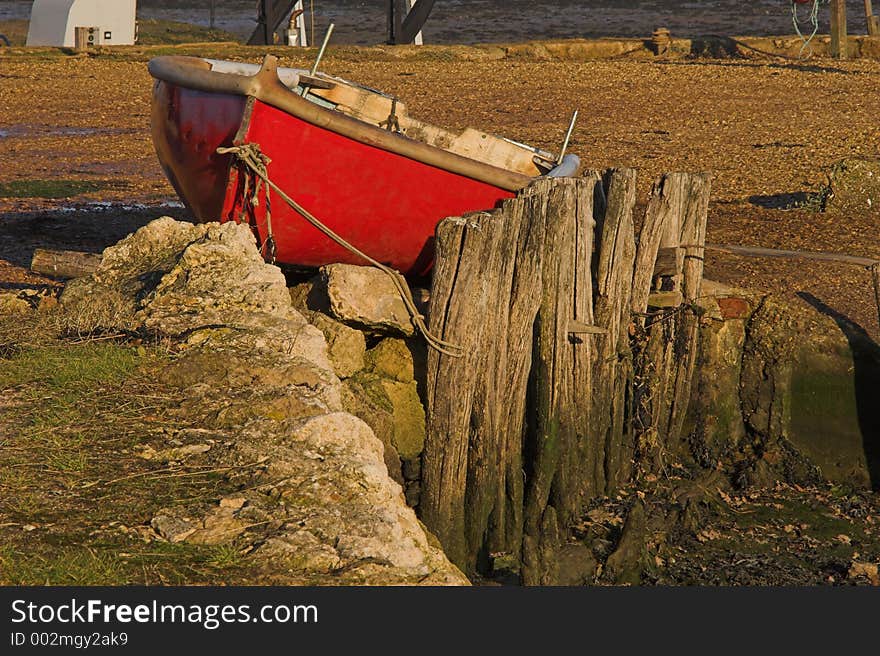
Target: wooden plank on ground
column 64, row 264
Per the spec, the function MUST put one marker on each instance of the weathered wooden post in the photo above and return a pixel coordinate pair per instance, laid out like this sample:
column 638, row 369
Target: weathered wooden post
column 666, row 284
column 486, row 293
column 873, row 22
column 545, row 296
column 839, row 46
column 213, row 13
column 514, row 289
column 559, row 438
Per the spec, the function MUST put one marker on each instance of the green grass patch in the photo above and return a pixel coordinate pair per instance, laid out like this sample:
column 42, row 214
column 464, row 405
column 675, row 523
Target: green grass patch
column 68, row 566
column 72, row 369
column 50, row 188
column 121, row 564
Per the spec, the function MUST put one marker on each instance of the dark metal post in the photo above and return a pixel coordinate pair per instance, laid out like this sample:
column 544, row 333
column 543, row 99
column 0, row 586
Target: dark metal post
column 403, row 25
column 213, row 12
column 390, row 16
column 396, row 12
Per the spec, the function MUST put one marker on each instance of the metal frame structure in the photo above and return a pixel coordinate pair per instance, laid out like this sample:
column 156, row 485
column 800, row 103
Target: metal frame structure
column 406, row 19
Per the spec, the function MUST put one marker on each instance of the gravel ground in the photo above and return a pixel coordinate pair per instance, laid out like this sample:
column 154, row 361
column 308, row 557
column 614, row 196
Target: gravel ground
column 769, row 129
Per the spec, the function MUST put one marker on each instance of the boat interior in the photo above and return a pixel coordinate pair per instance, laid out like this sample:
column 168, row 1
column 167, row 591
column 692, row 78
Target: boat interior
column 385, row 111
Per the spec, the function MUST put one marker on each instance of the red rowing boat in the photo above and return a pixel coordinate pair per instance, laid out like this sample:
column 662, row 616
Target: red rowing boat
column 348, row 155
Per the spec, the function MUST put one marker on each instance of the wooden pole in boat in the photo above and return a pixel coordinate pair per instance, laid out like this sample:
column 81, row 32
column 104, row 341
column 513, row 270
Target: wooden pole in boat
column 574, row 118
column 839, row 48
column 321, row 51
column 314, row 69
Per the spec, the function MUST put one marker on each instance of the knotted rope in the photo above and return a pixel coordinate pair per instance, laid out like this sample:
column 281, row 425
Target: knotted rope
column 257, row 166
column 252, row 159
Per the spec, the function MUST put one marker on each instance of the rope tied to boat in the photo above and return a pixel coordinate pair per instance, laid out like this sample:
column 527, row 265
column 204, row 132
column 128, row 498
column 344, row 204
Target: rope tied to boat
column 253, row 160
column 257, row 162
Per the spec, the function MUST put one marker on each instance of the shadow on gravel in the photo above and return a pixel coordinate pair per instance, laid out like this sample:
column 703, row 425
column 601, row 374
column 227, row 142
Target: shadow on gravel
column 78, row 229
column 791, row 201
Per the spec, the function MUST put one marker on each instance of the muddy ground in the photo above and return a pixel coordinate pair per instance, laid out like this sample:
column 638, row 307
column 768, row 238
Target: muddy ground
column 77, row 170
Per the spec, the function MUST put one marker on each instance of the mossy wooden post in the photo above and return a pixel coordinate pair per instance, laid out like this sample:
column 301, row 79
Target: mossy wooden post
column 657, row 288
column 659, row 234
column 506, row 285
column 511, row 381
column 658, row 270
column 466, row 252
column 693, row 237
column 561, row 373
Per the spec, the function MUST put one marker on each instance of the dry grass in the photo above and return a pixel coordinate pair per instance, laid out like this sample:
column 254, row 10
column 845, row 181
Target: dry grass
column 75, row 498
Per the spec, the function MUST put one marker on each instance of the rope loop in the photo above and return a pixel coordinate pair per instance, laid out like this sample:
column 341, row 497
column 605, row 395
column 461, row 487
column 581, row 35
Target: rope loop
column 252, row 159
column 814, row 23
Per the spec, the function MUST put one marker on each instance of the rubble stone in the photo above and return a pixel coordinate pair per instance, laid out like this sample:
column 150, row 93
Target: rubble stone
column 366, row 297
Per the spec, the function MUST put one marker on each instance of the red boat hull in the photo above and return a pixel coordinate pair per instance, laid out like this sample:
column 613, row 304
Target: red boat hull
column 385, row 204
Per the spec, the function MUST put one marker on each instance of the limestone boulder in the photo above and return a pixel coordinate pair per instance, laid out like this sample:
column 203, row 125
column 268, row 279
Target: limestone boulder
column 346, row 517
column 241, row 385
column 346, row 347
column 317, row 504
column 391, row 358
column 206, row 282
column 310, row 296
column 392, row 408
column 364, row 397
column 366, row 297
